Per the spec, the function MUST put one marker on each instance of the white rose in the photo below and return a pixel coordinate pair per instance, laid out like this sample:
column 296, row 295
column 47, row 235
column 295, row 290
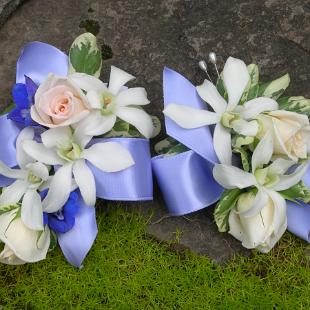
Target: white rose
column 291, row 133
column 257, row 231
column 22, row 245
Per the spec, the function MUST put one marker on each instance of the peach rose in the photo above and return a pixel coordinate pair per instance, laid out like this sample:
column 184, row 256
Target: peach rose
column 59, row 102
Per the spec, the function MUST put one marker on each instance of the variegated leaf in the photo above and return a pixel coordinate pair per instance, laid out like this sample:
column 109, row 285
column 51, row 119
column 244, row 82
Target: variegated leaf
column 170, row 147
column 223, row 208
column 274, row 89
column 295, row 104
column 85, row 55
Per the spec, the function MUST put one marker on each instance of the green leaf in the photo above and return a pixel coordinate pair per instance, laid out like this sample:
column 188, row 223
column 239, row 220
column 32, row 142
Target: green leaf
column 221, row 87
column 300, row 191
column 157, row 126
column 245, row 158
column 85, row 55
column 238, row 141
column 8, row 109
column 298, row 104
column 54, row 241
column 224, row 206
column 274, row 89
column 7, row 208
column 251, row 89
column 170, row 147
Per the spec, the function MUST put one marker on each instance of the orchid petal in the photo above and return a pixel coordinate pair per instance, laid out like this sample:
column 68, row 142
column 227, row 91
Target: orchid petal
column 42, row 154
column 21, row 156
column 232, row 177
column 222, row 143
column 138, row 118
column 189, row 118
column 263, row 152
column 132, row 96
column 108, row 156
column 59, row 190
column 94, row 99
column 289, row 180
column 56, row 137
column 236, row 78
column 13, row 193
column 280, row 166
column 256, row 106
column 11, row 173
column 94, row 125
column 245, row 128
column 118, row 78
column 31, row 210
column 85, row 181
column 208, row 92
column 39, row 170
column 88, row 82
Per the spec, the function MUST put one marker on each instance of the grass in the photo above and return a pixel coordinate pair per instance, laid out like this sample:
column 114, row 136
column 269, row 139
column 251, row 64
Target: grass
column 127, row 270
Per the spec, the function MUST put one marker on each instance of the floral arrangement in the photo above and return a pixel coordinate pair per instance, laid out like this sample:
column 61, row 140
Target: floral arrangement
column 68, row 139
column 239, row 143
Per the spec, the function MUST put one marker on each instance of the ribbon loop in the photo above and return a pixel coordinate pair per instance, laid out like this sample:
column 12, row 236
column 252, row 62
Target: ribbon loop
column 38, row 59
column 186, row 182
column 131, row 184
column 177, row 89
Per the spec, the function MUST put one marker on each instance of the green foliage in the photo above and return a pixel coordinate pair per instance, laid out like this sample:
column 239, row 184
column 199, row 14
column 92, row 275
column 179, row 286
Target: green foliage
column 245, row 158
column 7, row 208
column 85, row 55
column 274, row 89
column 122, row 129
column 224, row 206
column 298, row 104
column 170, row 147
column 299, row 191
column 127, row 270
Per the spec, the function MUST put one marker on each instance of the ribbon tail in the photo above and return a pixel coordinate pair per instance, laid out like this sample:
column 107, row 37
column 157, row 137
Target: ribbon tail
column 38, row 59
column 76, row 243
column 177, row 89
column 9, row 132
column 186, row 182
column 298, row 220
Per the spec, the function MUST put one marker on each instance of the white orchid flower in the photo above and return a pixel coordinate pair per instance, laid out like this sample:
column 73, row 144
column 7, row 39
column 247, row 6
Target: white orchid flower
column 108, row 103
column 67, row 148
column 267, row 179
column 226, row 115
column 30, row 178
column 22, row 245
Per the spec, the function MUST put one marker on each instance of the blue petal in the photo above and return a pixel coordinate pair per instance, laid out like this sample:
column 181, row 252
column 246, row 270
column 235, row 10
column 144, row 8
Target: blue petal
column 16, row 115
column 20, row 95
column 31, row 87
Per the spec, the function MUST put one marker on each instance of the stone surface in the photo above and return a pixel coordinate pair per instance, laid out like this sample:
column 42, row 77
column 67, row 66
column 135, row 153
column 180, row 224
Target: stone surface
column 7, row 7
column 145, row 36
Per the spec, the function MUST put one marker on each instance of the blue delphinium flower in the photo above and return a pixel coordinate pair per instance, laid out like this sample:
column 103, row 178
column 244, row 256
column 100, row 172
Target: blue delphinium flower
column 23, row 96
column 63, row 221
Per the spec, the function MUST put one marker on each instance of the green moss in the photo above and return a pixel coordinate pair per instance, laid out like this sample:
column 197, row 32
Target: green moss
column 126, row 270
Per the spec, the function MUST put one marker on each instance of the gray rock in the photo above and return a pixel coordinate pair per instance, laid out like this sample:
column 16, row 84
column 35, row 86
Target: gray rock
column 145, row 36
column 7, row 7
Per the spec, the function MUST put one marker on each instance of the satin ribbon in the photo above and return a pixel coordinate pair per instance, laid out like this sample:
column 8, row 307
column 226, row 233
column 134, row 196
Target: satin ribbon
column 9, row 132
column 132, row 184
column 186, row 180
column 298, row 215
column 36, row 61
column 76, row 243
